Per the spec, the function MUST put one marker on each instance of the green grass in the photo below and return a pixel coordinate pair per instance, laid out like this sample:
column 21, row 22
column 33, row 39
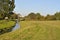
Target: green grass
column 35, row 30
column 6, row 24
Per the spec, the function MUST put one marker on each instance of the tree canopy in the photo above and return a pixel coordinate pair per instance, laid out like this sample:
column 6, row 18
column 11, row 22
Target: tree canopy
column 38, row 16
column 6, row 6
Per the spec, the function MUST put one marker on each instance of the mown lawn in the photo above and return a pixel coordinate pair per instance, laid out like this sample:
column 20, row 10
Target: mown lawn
column 35, row 30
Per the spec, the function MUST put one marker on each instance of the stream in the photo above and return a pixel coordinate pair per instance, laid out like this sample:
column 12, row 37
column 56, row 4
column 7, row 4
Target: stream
column 17, row 26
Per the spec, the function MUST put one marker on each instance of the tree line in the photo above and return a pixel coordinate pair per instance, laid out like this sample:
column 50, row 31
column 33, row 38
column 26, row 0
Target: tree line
column 39, row 17
column 7, row 7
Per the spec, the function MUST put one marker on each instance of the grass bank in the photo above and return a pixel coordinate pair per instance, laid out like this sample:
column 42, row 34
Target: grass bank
column 6, row 25
column 35, row 30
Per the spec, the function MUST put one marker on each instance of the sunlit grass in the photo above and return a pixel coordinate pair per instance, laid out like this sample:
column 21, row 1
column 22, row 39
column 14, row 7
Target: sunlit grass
column 35, row 30
column 6, row 24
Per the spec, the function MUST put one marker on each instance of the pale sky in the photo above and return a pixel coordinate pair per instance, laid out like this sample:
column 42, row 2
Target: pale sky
column 44, row 7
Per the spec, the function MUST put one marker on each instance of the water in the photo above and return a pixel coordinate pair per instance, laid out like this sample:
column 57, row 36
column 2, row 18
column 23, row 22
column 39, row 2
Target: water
column 17, row 26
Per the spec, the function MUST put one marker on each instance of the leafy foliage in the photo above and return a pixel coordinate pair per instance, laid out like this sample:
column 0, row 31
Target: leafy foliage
column 38, row 16
column 6, row 6
column 57, row 15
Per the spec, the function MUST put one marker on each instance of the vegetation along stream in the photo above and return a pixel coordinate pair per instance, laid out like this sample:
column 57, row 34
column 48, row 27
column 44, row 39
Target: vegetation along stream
column 13, row 27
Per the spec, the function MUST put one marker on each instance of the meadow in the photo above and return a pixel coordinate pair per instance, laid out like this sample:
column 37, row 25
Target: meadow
column 35, row 30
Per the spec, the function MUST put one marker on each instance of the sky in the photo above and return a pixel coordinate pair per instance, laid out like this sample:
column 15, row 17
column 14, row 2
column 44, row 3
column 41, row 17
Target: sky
column 44, row 7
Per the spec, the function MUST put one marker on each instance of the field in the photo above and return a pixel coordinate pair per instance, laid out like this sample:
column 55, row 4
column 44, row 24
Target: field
column 35, row 30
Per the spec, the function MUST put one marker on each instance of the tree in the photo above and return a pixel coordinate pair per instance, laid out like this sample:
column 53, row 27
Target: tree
column 11, row 5
column 6, row 6
column 32, row 16
column 57, row 15
column 50, row 17
column 1, row 9
column 38, row 16
column 13, row 15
